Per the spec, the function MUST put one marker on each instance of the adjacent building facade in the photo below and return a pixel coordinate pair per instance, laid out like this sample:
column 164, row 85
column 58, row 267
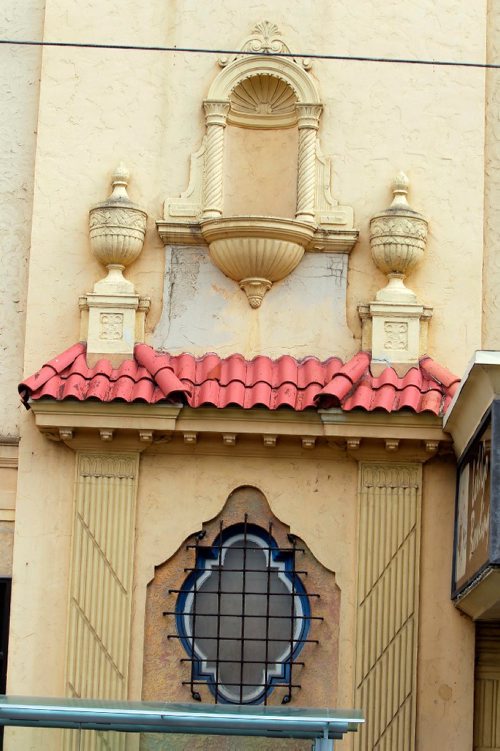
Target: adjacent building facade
column 249, row 471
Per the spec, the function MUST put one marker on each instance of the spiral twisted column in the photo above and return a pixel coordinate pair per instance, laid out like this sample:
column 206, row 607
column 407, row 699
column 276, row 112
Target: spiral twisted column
column 308, row 122
column 215, row 118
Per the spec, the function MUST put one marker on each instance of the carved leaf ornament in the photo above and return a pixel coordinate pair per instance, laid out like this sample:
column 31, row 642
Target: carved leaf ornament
column 242, row 615
column 398, row 226
column 117, row 218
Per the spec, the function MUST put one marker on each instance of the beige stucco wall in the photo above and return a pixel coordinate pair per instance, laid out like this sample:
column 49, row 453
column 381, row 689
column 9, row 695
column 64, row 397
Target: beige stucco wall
column 39, row 605
column 179, row 488
column 446, row 643
column 175, row 487
column 98, row 106
column 491, row 267
column 19, row 86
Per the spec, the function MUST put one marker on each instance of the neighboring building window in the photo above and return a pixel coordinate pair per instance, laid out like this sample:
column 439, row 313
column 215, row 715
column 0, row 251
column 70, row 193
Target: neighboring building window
column 243, row 615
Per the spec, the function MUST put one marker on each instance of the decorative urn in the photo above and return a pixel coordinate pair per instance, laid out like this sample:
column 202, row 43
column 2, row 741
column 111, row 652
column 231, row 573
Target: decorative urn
column 397, row 239
column 117, row 228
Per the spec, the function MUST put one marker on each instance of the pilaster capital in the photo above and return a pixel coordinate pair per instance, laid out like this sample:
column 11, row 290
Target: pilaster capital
column 308, row 115
column 216, row 112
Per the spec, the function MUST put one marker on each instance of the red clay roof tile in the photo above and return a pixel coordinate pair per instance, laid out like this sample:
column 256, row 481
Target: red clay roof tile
column 209, row 380
column 439, row 373
column 410, row 398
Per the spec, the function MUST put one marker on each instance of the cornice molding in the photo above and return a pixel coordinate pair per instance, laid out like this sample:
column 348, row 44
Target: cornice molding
column 140, row 426
column 9, row 453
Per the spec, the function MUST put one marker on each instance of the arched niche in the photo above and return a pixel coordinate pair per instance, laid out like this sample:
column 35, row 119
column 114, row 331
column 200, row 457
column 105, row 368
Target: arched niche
column 302, row 108
column 283, row 68
column 271, row 107
column 261, row 146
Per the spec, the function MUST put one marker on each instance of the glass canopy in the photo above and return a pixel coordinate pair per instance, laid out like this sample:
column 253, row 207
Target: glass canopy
column 319, row 725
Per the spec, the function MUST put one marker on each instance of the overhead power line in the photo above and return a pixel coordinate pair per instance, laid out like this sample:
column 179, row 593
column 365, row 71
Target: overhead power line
column 203, row 51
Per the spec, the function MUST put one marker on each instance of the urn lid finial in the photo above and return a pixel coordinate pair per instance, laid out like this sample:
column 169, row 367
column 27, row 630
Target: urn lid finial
column 399, row 205
column 400, row 186
column 121, row 176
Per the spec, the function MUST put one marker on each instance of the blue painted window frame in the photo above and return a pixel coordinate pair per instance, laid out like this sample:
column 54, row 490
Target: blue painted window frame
column 211, row 552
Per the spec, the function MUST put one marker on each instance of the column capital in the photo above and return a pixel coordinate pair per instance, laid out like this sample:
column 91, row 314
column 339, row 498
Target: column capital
column 308, row 115
column 216, row 112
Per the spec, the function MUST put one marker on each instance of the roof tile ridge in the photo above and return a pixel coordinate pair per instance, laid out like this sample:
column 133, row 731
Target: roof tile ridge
column 356, row 366
column 195, row 358
column 223, row 358
column 66, row 358
column 151, row 358
column 331, row 358
column 285, row 356
column 343, row 384
column 102, row 367
column 438, row 372
column 127, row 369
column 49, row 369
column 156, row 363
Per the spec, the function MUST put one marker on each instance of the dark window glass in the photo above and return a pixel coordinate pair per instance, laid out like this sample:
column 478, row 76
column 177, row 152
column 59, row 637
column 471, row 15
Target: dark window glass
column 5, row 585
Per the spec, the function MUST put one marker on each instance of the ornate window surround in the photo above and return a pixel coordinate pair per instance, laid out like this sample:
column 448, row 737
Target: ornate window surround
column 210, row 561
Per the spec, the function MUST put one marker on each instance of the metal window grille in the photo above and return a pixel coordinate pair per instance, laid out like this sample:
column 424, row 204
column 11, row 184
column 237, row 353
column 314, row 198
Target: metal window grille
column 243, row 615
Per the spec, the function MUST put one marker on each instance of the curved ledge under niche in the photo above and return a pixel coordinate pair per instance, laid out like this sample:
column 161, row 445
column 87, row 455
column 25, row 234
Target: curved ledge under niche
column 256, row 251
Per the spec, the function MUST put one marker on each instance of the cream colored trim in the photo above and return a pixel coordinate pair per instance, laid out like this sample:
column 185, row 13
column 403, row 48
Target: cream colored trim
column 259, row 65
column 308, row 116
column 387, row 601
column 425, row 426
column 395, row 324
column 481, row 599
column 139, row 426
column 101, row 576
column 256, row 252
column 263, row 102
column 479, row 386
column 113, row 312
column 9, row 454
column 7, row 515
column 52, row 416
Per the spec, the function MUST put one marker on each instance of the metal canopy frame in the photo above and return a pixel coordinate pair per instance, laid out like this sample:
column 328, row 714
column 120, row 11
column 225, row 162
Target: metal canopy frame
column 322, row 726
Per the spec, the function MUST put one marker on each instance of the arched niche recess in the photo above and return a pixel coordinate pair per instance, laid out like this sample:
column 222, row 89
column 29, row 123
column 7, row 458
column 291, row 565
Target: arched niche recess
column 244, row 535
column 260, row 149
column 262, row 92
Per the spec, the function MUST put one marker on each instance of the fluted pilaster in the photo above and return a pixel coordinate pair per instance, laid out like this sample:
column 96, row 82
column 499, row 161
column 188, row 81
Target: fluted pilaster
column 100, row 598
column 387, row 601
